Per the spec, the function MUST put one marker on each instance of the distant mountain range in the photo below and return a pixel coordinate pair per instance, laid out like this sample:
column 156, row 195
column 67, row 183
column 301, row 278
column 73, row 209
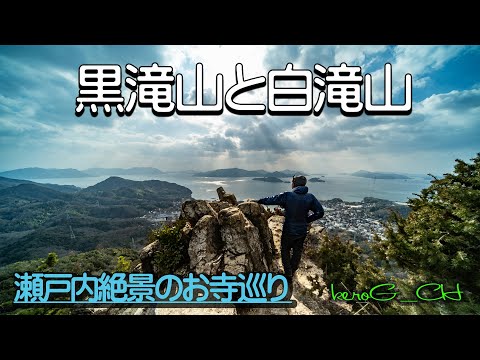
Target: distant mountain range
column 120, row 171
column 378, row 175
column 236, row 172
column 25, row 174
column 41, row 173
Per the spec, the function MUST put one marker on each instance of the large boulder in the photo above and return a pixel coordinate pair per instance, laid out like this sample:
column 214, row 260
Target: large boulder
column 205, row 248
column 219, row 205
column 146, row 256
column 244, row 251
column 258, row 216
column 194, row 210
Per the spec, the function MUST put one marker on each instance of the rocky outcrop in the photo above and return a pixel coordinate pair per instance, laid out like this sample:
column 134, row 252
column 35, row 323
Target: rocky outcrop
column 205, row 246
column 222, row 237
column 219, row 205
column 259, row 218
column 194, row 210
column 244, row 250
column 146, row 257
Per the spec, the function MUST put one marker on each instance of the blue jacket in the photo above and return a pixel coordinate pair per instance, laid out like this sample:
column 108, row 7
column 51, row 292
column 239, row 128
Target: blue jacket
column 297, row 204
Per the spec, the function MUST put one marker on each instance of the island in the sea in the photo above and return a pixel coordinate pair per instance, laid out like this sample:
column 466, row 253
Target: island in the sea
column 269, row 179
column 236, row 172
column 316, row 179
column 378, row 175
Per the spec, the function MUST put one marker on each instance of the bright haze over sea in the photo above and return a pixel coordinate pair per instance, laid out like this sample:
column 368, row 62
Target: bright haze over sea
column 345, row 187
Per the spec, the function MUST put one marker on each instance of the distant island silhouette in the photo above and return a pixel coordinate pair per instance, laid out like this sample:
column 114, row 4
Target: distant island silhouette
column 378, row 175
column 269, row 179
column 236, row 172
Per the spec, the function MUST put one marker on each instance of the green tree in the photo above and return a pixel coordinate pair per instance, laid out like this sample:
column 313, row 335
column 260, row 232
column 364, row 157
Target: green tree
column 173, row 248
column 338, row 259
column 343, row 262
column 49, row 262
column 440, row 238
column 123, row 265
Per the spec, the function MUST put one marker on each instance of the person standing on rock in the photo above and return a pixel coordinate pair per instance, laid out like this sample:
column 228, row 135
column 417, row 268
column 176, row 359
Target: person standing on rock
column 297, row 204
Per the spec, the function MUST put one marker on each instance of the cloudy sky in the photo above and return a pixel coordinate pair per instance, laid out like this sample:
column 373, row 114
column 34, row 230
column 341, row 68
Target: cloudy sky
column 38, row 126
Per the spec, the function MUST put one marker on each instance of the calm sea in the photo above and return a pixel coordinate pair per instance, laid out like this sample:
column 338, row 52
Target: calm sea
column 346, row 187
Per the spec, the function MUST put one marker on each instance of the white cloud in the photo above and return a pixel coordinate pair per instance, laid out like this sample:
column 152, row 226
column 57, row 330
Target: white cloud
column 443, row 124
column 417, row 60
column 357, row 55
column 41, row 112
column 216, row 59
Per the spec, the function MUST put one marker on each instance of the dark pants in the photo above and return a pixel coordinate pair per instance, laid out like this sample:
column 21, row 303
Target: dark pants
column 291, row 249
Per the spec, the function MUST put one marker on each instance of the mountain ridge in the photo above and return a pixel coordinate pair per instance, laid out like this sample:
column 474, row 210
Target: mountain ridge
column 35, row 220
column 33, row 191
column 117, row 183
column 9, row 182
